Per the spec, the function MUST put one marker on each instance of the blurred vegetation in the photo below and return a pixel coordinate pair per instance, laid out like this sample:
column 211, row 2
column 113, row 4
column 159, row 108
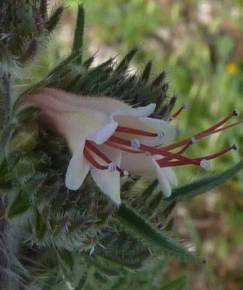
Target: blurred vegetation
column 200, row 45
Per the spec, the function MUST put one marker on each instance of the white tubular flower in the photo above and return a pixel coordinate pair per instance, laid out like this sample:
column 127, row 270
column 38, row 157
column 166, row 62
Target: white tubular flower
column 108, row 138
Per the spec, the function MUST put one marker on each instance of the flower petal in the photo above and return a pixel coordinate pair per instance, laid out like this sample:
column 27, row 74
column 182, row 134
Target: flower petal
column 163, row 180
column 171, row 176
column 161, row 127
column 136, row 112
column 52, row 99
column 113, row 154
column 102, row 104
column 78, row 169
column 104, row 133
column 138, row 164
column 66, row 113
column 109, row 183
column 165, row 131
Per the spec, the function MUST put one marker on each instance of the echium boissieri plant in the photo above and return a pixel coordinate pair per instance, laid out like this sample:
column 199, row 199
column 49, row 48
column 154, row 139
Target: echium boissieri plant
column 88, row 166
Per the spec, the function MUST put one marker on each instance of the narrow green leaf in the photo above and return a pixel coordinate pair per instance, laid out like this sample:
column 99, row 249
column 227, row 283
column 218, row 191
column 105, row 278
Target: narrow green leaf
column 79, row 31
column 178, row 284
column 138, row 226
column 159, row 79
column 146, row 72
column 122, row 66
column 64, row 64
column 87, row 63
column 205, row 184
column 54, row 19
column 19, row 206
column 149, row 189
column 54, row 74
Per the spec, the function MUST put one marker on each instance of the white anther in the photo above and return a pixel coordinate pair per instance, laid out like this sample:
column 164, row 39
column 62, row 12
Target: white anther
column 125, row 173
column 185, row 105
column 235, row 147
column 205, row 164
column 193, row 140
column 135, row 143
column 236, row 112
column 112, row 167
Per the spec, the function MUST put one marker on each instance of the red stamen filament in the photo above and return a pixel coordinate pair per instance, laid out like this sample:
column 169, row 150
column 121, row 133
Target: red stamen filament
column 169, row 156
column 210, row 131
column 164, row 162
column 217, row 154
column 229, row 126
column 184, row 148
column 125, row 149
column 170, row 159
column 101, row 155
column 90, row 158
column 153, row 150
column 219, row 124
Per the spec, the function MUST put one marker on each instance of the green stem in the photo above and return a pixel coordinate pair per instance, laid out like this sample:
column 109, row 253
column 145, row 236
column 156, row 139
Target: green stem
column 5, row 98
column 4, row 263
column 79, row 32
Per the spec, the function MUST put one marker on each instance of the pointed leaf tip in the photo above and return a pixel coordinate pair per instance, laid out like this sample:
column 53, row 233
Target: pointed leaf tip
column 79, row 32
column 205, row 184
column 142, row 229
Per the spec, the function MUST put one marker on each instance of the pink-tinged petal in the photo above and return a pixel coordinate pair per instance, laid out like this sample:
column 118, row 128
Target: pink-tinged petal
column 73, row 125
column 108, row 183
column 46, row 99
column 103, row 104
column 77, row 170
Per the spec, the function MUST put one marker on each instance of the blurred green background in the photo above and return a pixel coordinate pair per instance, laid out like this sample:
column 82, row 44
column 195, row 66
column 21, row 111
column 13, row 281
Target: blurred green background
column 200, row 46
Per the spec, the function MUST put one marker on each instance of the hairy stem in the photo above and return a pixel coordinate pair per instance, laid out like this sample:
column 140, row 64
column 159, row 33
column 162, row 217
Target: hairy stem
column 4, row 263
column 5, row 98
column 4, row 245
